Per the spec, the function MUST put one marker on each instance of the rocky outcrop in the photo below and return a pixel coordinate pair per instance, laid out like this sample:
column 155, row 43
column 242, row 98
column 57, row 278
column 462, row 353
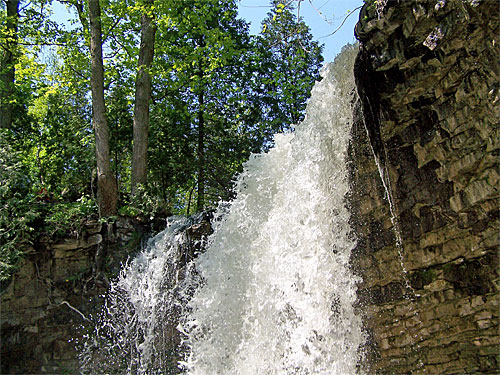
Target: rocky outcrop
column 428, row 77
column 58, row 286
column 56, row 295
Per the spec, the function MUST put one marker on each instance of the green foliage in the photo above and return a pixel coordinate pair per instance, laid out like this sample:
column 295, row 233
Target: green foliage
column 16, row 210
column 58, row 148
column 251, row 88
column 27, row 213
column 66, row 217
column 201, row 73
column 120, row 120
column 206, row 66
column 289, row 63
column 142, row 204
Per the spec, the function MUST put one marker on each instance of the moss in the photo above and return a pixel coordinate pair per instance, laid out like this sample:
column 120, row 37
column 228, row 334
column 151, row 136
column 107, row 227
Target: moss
column 135, row 241
column 428, row 276
column 422, row 277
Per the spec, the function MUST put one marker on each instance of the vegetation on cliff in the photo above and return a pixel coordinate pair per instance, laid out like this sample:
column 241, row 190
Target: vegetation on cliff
column 154, row 105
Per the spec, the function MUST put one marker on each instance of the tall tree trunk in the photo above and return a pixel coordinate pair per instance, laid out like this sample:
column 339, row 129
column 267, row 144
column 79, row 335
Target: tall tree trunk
column 7, row 67
column 107, row 192
column 142, row 99
column 200, row 202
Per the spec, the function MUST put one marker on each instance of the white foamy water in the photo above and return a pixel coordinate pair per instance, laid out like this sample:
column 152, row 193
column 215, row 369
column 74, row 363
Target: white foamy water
column 135, row 332
column 273, row 293
column 278, row 294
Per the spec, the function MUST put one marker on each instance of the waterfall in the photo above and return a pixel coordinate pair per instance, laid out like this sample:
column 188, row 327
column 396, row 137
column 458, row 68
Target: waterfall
column 135, row 332
column 273, row 293
column 278, row 294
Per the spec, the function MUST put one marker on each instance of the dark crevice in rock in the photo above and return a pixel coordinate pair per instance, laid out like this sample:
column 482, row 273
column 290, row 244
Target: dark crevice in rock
column 430, row 71
column 367, row 87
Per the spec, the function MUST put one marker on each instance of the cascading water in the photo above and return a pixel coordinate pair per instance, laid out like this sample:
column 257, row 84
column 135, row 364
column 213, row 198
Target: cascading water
column 273, row 292
column 278, row 293
column 135, row 332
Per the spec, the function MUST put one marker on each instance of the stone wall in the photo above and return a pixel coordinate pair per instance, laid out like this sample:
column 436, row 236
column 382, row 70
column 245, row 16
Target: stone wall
column 59, row 284
column 428, row 77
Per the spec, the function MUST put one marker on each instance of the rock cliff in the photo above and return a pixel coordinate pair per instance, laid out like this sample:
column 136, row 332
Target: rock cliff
column 56, row 295
column 59, row 285
column 425, row 174
column 427, row 216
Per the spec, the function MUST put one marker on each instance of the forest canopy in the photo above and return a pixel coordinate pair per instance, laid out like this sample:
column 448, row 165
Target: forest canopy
column 146, row 107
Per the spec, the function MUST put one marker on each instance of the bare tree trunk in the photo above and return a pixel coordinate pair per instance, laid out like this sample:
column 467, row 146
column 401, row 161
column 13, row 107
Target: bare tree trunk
column 200, row 202
column 107, row 192
column 7, row 67
column 142, row 99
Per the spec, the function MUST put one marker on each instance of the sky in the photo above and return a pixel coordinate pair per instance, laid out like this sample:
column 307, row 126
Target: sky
column 322, row 16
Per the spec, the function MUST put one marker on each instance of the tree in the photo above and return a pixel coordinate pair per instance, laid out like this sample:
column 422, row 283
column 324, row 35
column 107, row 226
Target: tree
column 142, row 98
column 107, row 194
column 202, row 59
column 8, row 54
column 219, row 95
column 290, row 63
column 186, row 95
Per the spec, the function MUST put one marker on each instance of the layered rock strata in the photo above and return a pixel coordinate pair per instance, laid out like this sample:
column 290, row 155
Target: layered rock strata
column 46, row 305
column 56, row 295
column 425, row 174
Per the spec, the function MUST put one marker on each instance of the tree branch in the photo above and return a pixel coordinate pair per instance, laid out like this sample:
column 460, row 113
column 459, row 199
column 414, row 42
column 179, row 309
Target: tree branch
column 105, row 36
column 74, row 309
column 342, row 24
column 42, row 44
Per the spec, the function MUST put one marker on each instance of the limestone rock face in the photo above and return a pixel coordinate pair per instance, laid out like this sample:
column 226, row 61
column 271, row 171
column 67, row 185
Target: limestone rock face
column 59, row 284
column 428, row 77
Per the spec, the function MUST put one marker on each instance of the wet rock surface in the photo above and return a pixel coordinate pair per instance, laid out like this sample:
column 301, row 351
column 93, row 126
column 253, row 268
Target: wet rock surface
column 61, row 283
column 428, row 77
